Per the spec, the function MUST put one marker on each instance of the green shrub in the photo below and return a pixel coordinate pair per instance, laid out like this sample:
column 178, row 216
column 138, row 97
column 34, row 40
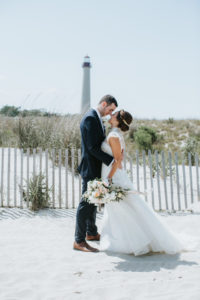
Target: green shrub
column 38, row 193
column 145, row 137
column 10, row 111
column 170, row 121
column 27, row 134
column 192, row 146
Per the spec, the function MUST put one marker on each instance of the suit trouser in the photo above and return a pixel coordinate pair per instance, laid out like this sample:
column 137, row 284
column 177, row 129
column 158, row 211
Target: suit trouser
column 85, row 217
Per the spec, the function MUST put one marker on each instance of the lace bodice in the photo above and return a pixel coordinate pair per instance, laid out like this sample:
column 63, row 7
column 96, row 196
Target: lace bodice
column 115, row 132
column 120, row 177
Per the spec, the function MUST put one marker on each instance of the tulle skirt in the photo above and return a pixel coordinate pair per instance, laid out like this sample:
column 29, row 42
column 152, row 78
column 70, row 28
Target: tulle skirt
column 132, row 227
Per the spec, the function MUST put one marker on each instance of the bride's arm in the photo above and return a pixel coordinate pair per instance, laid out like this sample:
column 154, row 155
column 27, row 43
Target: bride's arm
column 117, row 153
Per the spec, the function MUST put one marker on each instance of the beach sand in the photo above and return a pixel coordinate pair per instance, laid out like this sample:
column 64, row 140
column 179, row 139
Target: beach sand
column 37, row 262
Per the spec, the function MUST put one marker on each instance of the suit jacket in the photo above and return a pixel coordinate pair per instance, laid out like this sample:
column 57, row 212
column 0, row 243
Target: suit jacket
column 92, row 136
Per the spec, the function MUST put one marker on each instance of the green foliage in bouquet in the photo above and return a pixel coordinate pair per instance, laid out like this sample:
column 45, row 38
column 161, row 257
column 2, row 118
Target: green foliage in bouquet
column 98, row 192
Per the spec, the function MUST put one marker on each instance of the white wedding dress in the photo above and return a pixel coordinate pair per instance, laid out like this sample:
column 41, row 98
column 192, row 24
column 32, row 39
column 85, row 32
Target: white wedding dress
column 131, row 226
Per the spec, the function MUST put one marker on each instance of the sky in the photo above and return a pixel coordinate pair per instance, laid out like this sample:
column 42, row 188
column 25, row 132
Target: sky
column 146, row 53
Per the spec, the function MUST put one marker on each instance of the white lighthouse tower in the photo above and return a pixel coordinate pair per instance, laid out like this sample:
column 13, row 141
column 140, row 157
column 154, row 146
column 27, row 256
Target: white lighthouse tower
column 85, row 101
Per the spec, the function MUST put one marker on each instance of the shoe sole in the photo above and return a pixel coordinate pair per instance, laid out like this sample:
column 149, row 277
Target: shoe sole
column 86, row 250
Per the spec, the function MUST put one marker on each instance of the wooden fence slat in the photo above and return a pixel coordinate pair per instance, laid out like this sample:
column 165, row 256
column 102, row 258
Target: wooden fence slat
column 59, row 166
column 131, row 169
column 8, row 180
column 15, row 177
column 184, row 182
column 21, row 179
column 79, row 177
column 197, row 175
column 138, row 170
column 177, row 181
column 72, row 165
column 145, row 175
column 53, row 177
column 164, row 179
column 40, row 153
column 171, row 180
column 191, row 181
column 66, row 179
column 158, row 179
column 47, row 173
column 27, row 178
column 2, row 176
column 34, row 167
column 151, row 178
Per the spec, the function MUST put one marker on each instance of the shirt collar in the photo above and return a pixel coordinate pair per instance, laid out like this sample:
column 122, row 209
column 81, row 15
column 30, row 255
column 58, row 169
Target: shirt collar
column 98, row 113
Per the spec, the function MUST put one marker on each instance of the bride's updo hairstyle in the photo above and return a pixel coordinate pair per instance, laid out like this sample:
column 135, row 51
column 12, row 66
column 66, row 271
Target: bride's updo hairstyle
column 124, row 118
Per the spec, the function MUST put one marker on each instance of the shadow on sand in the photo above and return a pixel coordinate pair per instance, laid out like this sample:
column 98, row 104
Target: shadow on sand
column 149, row 262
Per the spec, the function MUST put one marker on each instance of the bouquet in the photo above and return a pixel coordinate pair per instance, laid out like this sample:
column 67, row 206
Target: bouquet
column 98, row 192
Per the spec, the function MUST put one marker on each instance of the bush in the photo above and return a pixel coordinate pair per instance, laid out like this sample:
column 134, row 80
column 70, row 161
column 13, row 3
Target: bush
column 145, row 137
column 27, row 134
column 10, row 111
column 170, row 121
column 192, row 146
column 38, row 193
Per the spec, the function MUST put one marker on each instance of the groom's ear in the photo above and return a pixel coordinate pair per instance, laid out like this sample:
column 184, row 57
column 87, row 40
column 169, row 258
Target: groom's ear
column 104, row 104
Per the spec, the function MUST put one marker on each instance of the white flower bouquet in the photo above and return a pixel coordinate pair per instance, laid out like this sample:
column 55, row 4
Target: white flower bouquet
column 98, row 192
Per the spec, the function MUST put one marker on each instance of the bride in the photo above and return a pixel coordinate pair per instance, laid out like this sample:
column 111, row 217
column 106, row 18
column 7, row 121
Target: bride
column 130, row 226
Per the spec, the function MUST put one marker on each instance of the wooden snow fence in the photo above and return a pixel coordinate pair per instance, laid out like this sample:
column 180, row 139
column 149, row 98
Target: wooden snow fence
column 169, row 182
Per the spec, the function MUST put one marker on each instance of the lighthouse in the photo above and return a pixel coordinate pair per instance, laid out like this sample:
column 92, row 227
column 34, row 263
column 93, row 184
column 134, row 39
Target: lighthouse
column 85, row 101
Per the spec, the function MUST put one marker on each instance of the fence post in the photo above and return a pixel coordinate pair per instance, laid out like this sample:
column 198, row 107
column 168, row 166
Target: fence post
column 151, row 178
column 177, row 181
column 184, row 182
column 164, row 179
column 145, row 176
column 66, row 179
column 8, row 180
column 40, row 151
column 53, row 177
column 59, row 166
column 27, row 190
column 197, row 175
column 131, row 168
column 21, row 181
column 34, row 167
column 158, row 179
column 171, row 180
column 15, row 177
column 73, row 195
column 138, row 174
column 47, row 173
column 190, row 170
column 2, row 174
column 79, row 177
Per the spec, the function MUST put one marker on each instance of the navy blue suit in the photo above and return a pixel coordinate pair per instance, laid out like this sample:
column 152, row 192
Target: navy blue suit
column 92, row 136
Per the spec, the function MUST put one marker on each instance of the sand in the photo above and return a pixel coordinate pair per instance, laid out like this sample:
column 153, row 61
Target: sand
column 37, row 262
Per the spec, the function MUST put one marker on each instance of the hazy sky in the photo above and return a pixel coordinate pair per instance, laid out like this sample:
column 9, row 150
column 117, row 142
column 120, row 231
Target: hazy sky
column 146, row 53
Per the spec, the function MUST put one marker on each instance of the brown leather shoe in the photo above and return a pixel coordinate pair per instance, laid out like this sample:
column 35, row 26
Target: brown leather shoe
column 93, row 237
column 83, row 246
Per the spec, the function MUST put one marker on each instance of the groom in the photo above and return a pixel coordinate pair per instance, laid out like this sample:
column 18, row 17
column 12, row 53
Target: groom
column 92, row 136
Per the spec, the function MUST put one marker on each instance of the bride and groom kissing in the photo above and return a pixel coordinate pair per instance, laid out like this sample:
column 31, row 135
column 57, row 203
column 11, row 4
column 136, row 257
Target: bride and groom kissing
column 129, row 226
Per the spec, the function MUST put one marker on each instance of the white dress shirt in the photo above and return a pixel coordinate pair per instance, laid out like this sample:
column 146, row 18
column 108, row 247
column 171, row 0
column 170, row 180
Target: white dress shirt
column 100, row 118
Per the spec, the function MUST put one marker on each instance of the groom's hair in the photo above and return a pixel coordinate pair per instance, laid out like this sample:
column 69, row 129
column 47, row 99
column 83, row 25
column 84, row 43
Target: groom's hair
column 109, row 100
